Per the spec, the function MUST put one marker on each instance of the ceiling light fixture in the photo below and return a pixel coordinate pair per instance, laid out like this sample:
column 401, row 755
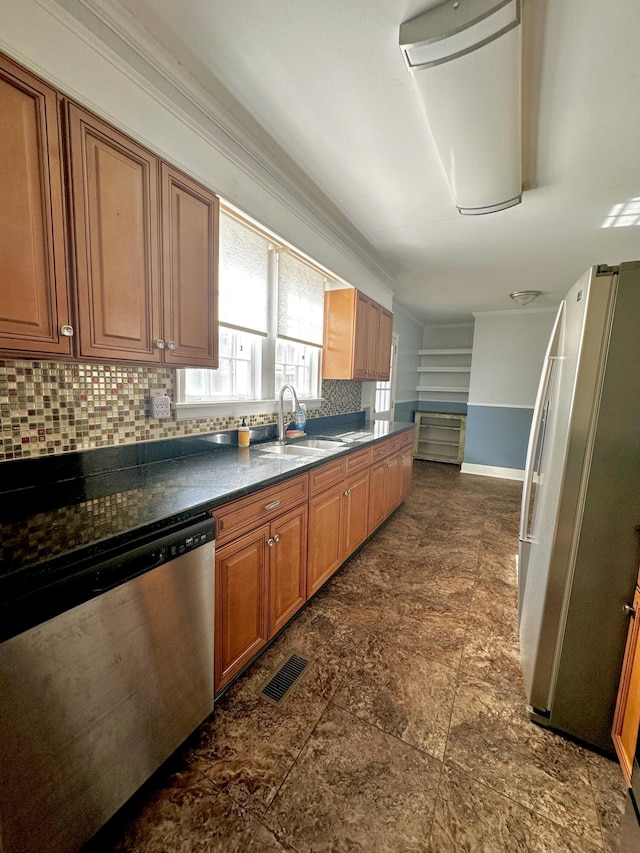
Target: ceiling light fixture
column 525, row 297
column 465, row 58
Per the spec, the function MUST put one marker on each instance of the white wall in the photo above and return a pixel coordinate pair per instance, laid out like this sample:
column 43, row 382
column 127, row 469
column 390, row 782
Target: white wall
column 508, row 351
column 450, row 335
column 508, row 348
column 146, row 94
column 409, row 333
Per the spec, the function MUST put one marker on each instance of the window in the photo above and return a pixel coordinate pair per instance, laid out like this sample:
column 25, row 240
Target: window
column 235, row 379
column 271, row 318
column 297, row 365
column 384, row 401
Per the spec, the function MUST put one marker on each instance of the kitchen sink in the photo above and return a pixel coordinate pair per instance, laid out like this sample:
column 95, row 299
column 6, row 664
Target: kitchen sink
column 291, row 450
column 321, row 443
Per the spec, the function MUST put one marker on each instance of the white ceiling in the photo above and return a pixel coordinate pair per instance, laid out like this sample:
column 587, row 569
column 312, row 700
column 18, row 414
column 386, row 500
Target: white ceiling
column 327, row 82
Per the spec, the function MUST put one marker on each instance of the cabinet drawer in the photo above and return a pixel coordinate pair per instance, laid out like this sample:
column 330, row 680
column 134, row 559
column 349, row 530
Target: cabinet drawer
column 326, row 476
column 244, row 514
column 357, row 461
column 400, row 442
column 381, row 449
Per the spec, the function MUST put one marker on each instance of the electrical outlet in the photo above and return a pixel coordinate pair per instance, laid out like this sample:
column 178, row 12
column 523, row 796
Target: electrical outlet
column 160, row 404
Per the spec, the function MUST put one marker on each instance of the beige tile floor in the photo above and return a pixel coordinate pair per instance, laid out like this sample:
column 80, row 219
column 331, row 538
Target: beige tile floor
column 408, row 733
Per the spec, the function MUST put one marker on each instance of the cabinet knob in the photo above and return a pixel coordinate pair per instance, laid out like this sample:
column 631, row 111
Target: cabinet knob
column 276, row 537
column 629, row 610
column 160, row 344
column 171, row 344
column 66, row 331
column 270, row 542
column 347, row 492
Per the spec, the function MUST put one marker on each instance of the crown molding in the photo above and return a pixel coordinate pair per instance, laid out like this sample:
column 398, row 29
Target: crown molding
column 515, row 311
column 125, row 45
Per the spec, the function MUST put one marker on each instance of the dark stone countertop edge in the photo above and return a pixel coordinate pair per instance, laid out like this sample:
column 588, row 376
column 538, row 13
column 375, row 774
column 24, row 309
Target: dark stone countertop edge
column 186, row 512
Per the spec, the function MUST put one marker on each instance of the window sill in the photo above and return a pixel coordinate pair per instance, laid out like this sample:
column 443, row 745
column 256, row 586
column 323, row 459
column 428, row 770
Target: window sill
column 236, row 408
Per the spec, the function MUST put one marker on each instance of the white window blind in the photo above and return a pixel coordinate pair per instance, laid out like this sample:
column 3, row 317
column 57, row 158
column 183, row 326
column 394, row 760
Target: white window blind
column 244, row 276
column 300, row 300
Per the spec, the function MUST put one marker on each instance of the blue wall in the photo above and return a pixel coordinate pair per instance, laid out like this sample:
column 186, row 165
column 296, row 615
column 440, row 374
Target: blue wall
column 497, row 436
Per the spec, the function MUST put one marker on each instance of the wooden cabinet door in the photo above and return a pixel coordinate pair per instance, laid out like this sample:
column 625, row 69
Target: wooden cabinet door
column 324, row 554
column 627, row 715
column 373, row 342
column 241, row 615
column 34, row 302
column 384, row 338
column 357, row 337
column 287, row 567
column 189, row 271
column 378, row 494
column 406, row 463
column 361, row 339
column 394, row 476
column 355, row 513
column 114, row 190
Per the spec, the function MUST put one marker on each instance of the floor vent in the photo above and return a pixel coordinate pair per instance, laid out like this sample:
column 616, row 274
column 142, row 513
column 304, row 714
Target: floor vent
column 284, row 679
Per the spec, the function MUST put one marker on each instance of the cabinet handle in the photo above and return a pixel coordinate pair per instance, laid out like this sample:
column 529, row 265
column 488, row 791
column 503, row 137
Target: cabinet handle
column 276, row 537
column 629, row 610
column 160, row 344
column 171, row 344
column 270, row 542
column 272, row 505
column 66, row 331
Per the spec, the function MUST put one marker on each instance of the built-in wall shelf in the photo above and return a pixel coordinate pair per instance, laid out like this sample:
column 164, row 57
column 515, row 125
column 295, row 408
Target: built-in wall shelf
column 444, row 372
column 439, row 437
column 448, row 351
column 453, row 389
column 444, row 369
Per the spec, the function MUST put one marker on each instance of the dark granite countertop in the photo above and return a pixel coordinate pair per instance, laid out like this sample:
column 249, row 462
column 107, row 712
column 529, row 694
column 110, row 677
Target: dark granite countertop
column 56, row 519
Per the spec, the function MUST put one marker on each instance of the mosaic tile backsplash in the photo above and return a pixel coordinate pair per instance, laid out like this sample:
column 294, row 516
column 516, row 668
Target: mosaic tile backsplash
column 55, row 407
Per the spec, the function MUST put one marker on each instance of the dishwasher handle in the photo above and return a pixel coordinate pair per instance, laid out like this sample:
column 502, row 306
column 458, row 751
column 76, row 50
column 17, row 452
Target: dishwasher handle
column 137, row 561
column 119, row 571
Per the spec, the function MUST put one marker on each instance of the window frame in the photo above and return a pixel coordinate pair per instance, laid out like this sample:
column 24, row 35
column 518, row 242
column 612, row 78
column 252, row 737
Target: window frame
column 265, row 371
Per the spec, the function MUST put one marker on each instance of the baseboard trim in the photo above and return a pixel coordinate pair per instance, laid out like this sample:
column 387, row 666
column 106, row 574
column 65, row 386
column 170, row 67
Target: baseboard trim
column 491, row 471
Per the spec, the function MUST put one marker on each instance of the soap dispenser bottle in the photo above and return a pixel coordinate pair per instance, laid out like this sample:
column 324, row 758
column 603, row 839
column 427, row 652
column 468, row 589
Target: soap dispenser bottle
column 244, row 435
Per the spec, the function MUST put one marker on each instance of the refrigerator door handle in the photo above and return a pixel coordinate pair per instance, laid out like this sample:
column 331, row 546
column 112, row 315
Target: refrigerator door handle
column 529, row 471
column 538, row 420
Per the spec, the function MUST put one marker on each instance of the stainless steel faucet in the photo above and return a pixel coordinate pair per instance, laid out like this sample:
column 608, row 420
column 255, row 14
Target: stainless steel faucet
column 294, row 397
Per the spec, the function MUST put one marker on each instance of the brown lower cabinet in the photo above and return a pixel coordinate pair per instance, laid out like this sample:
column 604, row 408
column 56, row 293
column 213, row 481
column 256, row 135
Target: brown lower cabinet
column 260, row 584
column 338, row 524
column 390, row 481
column 278, row 546
column 627, row 715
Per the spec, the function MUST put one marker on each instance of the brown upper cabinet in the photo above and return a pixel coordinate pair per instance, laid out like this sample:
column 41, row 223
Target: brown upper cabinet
column 145, row 251
column 190, row 220
column 34, row 301
column 123, row 267
column 115, row 218
column 357, row 337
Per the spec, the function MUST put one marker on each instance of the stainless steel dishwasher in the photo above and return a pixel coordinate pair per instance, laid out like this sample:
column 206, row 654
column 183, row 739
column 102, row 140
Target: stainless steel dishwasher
column 93, row 700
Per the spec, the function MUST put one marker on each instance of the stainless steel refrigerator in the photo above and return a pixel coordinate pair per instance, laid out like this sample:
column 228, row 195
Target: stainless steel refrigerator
column 579, row 545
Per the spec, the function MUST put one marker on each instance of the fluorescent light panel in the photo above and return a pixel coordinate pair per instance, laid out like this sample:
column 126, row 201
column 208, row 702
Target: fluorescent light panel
column 469, row 83
column 449, row 32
